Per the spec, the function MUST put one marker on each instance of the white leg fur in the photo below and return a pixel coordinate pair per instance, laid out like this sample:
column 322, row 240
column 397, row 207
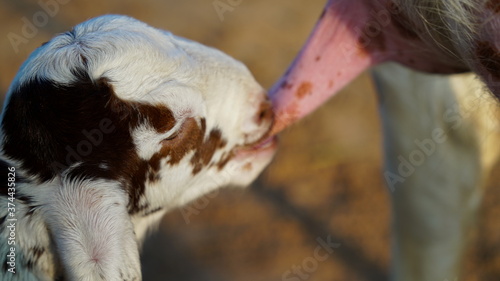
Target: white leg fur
column 92, row 230
column 438, row 149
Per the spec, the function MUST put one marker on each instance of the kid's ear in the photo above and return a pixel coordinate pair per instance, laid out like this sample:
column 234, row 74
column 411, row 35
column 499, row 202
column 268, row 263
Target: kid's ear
column 92, row 230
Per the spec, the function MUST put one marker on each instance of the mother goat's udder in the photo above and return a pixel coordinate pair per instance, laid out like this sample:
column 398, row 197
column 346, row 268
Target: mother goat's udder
column 285, row 116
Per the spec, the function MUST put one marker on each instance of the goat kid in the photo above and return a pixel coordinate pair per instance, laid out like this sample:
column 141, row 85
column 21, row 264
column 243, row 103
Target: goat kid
column 104, row 129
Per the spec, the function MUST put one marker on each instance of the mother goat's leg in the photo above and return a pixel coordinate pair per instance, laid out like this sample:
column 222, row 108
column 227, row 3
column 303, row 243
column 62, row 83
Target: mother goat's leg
column 437, row 153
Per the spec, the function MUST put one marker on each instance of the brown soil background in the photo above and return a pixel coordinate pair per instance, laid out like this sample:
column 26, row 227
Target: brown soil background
column 325, row 180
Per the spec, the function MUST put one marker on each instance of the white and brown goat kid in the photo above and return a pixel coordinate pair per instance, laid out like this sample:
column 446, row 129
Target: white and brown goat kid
column 109, row 126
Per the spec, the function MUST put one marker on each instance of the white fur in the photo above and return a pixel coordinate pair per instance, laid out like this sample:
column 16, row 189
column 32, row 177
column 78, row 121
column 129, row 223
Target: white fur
column 94, row 233
column 435, row 206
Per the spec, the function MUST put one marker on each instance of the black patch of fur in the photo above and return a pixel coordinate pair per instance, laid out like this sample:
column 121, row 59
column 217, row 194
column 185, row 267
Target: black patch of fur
column 50, row 127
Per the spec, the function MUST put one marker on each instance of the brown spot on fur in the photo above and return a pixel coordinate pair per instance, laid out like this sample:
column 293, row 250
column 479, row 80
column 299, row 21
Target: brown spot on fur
column 304, row 89
column 225, row 159
column 489, row 57
column 189, row 137
column 206, row 150
column 317, row 58
column 158, row 116
column 493, row 5
column 330, row 84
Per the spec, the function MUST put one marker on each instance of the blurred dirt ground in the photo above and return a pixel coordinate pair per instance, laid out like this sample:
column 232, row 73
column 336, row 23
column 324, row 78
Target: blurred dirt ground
column 325, row 182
